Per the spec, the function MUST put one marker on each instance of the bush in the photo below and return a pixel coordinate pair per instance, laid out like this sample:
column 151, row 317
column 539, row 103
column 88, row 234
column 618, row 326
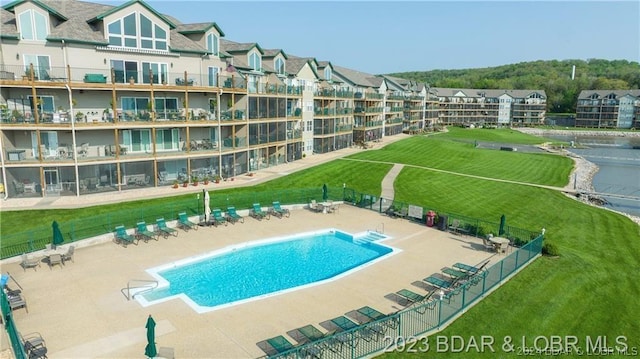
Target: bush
column 550, row 249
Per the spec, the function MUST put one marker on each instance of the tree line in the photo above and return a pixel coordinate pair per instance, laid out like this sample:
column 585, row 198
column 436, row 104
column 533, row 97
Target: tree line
column 554, row 77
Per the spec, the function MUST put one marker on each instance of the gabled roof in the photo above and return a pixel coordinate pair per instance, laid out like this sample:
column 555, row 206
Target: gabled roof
column 586, row 94
column 233, row 47
column 102, row 15
column 271, row 53
column 295, row 64
column 490, row 93
column 76, row 29
column 8, row 28
column 45, row 6
column 198, row 28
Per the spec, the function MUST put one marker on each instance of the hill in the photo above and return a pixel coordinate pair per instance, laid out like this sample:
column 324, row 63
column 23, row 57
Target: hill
column 552, row 76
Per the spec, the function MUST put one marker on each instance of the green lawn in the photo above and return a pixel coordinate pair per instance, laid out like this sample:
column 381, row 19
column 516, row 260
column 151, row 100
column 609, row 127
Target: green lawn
column 591, row 289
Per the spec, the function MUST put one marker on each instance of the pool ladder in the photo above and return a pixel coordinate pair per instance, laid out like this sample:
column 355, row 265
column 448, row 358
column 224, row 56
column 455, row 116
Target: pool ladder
column 144, row 284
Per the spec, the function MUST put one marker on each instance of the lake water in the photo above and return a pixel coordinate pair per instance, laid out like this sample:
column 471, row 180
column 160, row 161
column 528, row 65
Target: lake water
column 619, row 165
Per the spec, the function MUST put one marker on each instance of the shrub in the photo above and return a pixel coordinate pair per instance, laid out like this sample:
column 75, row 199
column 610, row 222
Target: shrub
column 550, row 249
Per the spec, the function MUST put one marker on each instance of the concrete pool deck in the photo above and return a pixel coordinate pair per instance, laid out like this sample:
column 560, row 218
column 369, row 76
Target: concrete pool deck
column 80, row 311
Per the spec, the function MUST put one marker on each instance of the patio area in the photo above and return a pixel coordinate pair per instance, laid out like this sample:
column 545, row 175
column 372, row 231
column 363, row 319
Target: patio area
column 80, row 311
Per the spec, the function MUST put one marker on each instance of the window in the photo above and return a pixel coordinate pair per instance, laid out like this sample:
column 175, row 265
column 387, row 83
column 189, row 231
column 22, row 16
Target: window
column 280, row 66
column 159, row 71
column 165, row 106
column 124, row 70
column 212, row 44
column 132, row 106
column 327, row 73
column 213, row 75
column 252, row 83
column 33, row 26
column 137, row 31
column 45, row 104
column 41, row 66
column 167, row 139
column 255, row 61
column 137, row 140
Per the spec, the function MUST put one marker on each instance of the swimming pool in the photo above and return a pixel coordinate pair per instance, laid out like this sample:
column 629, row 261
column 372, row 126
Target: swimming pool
column 258, row 269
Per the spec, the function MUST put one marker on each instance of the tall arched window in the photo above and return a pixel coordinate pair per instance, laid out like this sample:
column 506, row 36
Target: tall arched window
column 212, row 44
column 327, row 73
column 280, row 66
column 137, row 31
column 33, row 26
column 255, row 61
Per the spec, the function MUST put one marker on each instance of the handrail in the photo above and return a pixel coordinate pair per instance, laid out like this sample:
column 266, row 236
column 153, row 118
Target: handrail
column 152, row 284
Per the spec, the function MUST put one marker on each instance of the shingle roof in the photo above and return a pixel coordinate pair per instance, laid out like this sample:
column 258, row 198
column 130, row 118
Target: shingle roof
column 358, row 78
column 232, row 46
column 585, row 94
column 274, row 53
column 197, row 28
column 8, row 24
column 448, row 92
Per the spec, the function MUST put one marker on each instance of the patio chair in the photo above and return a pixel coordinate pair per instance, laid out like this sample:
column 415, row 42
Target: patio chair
column 278, row 211
column 344, row 324
column 32, row 341
column 315, row 206
column 162, row 228
column 257, row 212
column 142, row 232
column 469, row 268
column 455, row 274
column 275, row 345
column 55, row 259
column 123, row 237
column 17, row 301
column 410, row 296
column 185, row 223
column 488, row 245
column 68, row 256
column 217, row 218
column 233, row 216
column 29, row 262
column 441, row 283
column 309, row 334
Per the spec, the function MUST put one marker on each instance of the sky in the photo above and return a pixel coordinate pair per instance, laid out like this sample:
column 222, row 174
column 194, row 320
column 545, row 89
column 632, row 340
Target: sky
column 380, row 37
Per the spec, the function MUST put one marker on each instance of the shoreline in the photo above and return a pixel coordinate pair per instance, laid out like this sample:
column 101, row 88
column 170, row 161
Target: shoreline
column 581, row 176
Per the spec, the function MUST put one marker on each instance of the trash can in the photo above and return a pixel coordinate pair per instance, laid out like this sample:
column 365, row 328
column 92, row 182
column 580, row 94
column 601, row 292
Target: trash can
column 443, row 223
column 431, row 216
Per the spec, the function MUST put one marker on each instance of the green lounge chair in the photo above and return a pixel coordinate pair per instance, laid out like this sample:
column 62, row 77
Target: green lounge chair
column 441, row 283
column 142, row 232
column 123, row 237
column 233, row 216
column 185, row 223
column 411, row 297
column 257, row 212
column 162, row 228
column 278, row 211
column 344, row 324
column 280, row 344
column 454, row 273
column 470, row 269
column 217, row 218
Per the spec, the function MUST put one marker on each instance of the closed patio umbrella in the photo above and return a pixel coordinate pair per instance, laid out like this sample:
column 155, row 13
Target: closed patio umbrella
column 57, row 234
column 503, row 221
column 207, row 209
column 325, row 192
column 150, row 350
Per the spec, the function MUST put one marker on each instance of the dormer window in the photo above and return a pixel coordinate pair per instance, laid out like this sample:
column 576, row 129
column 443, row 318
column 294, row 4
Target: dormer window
column 137, row 31
column 280, row 66
column 213, row 44
column 255, row 62
column 327, row 73
column 33, row 26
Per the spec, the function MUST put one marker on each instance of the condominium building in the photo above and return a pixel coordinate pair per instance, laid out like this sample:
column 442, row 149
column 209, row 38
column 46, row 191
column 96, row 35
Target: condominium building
column 491, row 107
column 608, row 109
column 98, row 98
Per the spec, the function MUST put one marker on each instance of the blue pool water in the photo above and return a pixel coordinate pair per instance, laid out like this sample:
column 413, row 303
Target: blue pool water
column 257, row 269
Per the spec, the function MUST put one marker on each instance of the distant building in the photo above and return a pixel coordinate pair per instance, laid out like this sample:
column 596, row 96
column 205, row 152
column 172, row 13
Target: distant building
column 608, row 109
column 491, row 107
